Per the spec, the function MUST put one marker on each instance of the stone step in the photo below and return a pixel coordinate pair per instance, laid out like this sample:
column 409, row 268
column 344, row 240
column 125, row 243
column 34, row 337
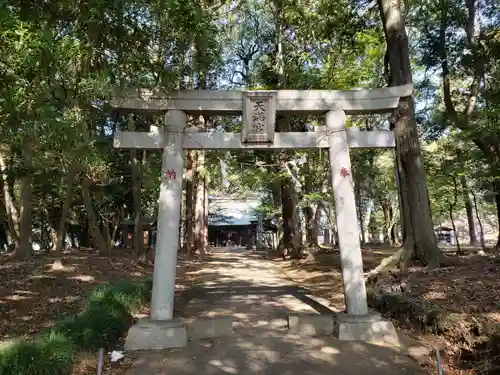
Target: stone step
column 311, row 325
column 207, row 328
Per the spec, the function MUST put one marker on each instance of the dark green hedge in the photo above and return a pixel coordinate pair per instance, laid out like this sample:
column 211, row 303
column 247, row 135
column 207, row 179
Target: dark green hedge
column 104, row 321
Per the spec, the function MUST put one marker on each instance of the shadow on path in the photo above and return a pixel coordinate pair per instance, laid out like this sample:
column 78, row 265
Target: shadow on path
column 249, row 288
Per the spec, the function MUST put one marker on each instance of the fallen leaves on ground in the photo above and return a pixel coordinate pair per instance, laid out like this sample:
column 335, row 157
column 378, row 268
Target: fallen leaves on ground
column 33, row 295
column 86, row 363
column 467, row 294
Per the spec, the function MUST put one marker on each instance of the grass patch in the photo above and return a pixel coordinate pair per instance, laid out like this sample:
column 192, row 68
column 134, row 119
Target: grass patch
column 102, row 324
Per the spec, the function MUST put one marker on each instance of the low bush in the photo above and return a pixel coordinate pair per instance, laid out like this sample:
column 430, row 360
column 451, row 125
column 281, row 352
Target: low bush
column 51, row 355
column 101, row 324
column 428, row 317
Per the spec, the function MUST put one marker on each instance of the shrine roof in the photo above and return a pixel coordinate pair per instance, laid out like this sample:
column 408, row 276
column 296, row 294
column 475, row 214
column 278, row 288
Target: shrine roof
column 223, row 212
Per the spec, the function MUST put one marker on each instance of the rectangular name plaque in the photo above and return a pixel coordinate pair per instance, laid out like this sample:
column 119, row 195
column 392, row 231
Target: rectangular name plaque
column 259, row 116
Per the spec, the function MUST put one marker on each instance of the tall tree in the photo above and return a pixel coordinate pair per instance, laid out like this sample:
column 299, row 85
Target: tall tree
column 418, row 232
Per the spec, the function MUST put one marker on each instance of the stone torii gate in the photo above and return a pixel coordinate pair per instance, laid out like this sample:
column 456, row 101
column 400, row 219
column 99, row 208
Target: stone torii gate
column 259, row 109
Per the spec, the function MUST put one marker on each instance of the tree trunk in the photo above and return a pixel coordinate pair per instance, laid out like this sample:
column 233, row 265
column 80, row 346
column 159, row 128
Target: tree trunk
column 26, row 203
column 115, row 231
column 202, row 64
column 4, row 226
column 419, row 240
column 366, row 220
column 46, row 229
column 99, row 241
column 289, row 211
column 138, row 247
column 360, row 212
column 12, row 214
column 311, row 213
column 275, row 188
column 333, row 233
column 84, row 235
column 470, row 212
column 389, row 222
column 112, row 230
column 450, row 212
column 48, row 235
column 199, row 219
column 464, row 120
column 107, row 237
column 302, row 230
column 190, row 194
column 11, row 181
column 497, row 204
column 68, row 198
column 480, row 223
column 310, row 210
column 289, row 208
column 394, row 235
column 316, row 222
column 205, row 213
column 288, row 194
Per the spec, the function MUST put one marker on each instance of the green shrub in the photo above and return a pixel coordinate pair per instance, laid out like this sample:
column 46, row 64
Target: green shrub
column 429, row 317
column 131, row 295
column 51, row 355
column 101, row 325
column 107, row 315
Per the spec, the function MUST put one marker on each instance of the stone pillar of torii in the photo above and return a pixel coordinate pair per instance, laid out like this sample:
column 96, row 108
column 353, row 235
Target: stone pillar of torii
column 259, row 109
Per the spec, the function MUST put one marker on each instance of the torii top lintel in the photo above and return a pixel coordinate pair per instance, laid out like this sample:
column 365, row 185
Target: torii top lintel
column 378, row 100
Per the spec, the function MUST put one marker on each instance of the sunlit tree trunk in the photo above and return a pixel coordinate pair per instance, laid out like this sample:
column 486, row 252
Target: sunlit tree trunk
column 480, row 223
column 311, row 213
column 276, row 191
column 190, row 195
column 199, row 230
column 205, row 214
column 291, row 239
column 289, row 208
column 419, row 241
column 469, row 209
column 451, row 209
column 464, row 120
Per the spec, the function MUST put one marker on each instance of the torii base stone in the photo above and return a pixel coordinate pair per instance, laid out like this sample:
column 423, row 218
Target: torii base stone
column 149, row 334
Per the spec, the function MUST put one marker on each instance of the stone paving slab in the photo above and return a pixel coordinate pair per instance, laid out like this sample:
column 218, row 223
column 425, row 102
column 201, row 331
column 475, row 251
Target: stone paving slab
column 310, row 325
column 274, row 353
column 206, row 328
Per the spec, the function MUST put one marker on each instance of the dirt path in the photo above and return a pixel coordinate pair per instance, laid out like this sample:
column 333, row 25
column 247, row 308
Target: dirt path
column 252, row 290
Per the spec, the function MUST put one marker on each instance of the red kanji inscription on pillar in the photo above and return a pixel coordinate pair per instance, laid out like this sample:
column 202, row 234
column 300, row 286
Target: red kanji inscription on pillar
column 344, row 172
column 170, row 174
